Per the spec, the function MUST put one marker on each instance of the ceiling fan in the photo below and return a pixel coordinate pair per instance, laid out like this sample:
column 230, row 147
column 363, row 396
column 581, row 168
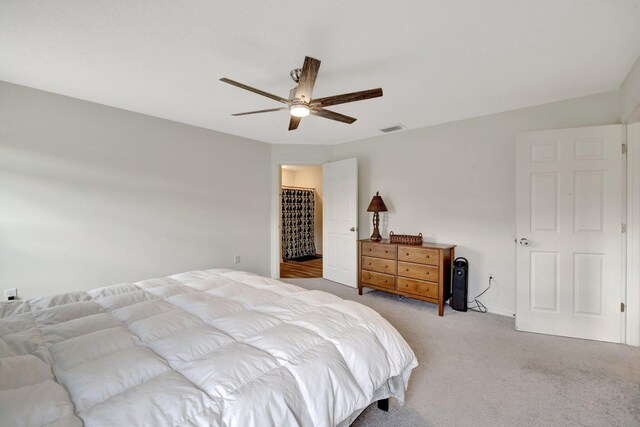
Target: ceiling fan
column 300, row 103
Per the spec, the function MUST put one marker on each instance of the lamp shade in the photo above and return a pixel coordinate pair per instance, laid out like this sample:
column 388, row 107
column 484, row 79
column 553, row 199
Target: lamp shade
column 377, row 204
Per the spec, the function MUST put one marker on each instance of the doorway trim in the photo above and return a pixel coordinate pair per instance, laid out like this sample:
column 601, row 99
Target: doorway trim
column 632, row 300
column 276, row 183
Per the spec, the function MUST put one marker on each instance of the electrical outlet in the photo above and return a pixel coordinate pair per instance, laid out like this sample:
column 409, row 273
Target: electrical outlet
column 10, row 294
column 236, row 259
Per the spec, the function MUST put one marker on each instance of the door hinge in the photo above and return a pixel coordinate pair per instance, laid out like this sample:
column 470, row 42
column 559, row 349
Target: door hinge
column 623, row 228
column 622, row 307
column 624, row 148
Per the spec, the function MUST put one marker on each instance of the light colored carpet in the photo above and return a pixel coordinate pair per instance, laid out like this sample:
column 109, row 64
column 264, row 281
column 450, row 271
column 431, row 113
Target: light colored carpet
column 476, row 370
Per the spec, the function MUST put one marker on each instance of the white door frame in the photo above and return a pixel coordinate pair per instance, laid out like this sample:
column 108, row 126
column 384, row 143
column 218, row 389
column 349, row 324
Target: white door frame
column 276, row 183
column 632, row 312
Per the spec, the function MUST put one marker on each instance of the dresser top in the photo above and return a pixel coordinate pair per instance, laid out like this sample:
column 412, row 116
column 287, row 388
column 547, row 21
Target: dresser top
column 424, row 244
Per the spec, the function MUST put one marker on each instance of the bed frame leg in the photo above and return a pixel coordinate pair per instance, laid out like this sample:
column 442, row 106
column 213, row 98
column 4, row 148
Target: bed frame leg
column 384, row 404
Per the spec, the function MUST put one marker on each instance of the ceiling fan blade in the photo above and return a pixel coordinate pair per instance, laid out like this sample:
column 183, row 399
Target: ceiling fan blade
column 254, row 90
column 333, row 116
column 307, row 78
column 294, row 122
column 259, row 111
column 347, row 97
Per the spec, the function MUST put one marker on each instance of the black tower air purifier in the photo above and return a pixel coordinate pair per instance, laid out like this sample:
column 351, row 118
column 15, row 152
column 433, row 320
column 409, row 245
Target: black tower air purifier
column 460, row 284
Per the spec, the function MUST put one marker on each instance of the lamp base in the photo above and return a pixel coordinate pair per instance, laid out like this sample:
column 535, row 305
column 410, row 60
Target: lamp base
column 376, row 237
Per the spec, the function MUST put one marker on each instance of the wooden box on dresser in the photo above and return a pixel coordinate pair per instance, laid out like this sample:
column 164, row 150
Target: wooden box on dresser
column 415, row 271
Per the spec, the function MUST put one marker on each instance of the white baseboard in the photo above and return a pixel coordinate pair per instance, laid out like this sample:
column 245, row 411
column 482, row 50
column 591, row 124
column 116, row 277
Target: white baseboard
column 501, row 312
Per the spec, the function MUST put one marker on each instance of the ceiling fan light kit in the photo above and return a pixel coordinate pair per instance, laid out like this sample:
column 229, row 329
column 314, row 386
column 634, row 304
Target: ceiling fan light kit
column 299, row 110
column 300, row 102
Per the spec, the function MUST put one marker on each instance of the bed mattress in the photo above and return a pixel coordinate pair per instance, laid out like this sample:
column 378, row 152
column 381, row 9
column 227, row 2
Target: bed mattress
column 203, row 348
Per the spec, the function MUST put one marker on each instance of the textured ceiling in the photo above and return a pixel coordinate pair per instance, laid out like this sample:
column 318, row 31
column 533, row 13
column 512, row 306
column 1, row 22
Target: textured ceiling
column 437, row 61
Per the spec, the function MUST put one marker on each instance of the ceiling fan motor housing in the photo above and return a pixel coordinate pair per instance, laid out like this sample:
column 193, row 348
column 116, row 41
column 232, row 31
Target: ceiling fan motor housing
column 295, row 74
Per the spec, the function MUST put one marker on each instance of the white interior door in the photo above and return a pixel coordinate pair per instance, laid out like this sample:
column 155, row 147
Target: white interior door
column 340, row 221
column 569, row 245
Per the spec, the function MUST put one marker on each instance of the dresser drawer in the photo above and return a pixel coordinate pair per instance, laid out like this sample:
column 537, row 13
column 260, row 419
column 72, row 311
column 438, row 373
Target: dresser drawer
column 419, row 255
column 418, row 287
column 378, row 264
column 379, row 251
column 378, row 279
column 418, row 271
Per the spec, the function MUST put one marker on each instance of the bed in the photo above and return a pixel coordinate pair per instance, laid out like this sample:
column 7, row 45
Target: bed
column 204, row 348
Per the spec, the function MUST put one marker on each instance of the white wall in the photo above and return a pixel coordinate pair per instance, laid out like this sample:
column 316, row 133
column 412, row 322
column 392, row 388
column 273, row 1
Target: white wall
column 287, row 177
column 92, row 195
column 630, row 95
column 455, row 184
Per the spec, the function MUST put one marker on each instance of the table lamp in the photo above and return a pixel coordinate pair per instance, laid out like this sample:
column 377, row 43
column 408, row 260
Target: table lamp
column 376, row 205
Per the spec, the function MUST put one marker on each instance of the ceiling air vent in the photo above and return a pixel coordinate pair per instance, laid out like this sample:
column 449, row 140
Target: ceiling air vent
column 393, row 128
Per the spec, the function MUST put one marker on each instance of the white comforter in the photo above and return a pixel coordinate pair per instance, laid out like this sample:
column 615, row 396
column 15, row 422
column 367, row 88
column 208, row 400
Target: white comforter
column 203, row 348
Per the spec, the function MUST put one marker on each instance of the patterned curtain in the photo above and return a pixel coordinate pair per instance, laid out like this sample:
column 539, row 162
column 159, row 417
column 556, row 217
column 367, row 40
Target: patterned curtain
column 297, row 223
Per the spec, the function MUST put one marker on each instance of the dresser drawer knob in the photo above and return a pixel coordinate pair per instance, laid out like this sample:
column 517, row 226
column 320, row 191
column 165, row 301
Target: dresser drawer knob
column 386, row 251
column 427, row 256
column 407, row 253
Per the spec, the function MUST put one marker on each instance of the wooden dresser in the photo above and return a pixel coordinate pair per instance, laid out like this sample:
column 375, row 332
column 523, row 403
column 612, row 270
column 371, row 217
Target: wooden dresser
column 422, row 272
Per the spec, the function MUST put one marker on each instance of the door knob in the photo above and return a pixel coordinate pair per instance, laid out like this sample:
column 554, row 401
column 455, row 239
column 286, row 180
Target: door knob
column 524, row 242
column 353, row 229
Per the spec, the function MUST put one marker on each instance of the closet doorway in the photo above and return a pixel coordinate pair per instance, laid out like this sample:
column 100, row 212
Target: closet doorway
column 300, row 221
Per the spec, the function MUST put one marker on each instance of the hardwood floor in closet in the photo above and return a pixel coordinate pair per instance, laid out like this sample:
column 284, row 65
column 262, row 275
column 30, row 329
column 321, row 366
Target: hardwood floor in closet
column 306, row 269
